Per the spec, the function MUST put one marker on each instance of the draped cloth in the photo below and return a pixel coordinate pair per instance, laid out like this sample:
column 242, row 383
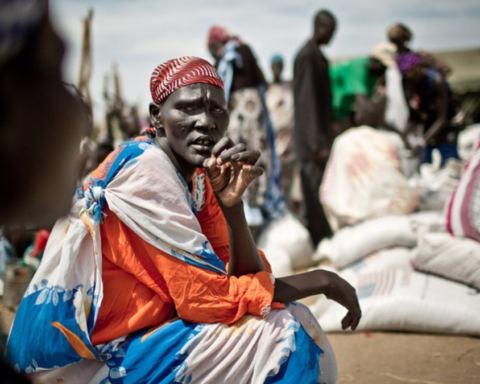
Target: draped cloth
column 463, row 209
column 250, row 123
column 51, row 338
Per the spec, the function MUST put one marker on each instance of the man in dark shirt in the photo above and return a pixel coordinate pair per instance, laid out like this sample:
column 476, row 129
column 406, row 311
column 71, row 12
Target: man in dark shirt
column 313, row 133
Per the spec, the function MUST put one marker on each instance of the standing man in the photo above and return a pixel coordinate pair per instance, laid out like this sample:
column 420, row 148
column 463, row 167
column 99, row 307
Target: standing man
column 313, row 133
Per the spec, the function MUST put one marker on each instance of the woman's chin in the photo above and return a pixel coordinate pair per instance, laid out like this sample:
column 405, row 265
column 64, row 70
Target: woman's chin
column 198, row 159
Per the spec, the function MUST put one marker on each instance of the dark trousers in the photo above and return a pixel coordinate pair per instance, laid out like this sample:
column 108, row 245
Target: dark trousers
column 311, row 175
column 447, row 150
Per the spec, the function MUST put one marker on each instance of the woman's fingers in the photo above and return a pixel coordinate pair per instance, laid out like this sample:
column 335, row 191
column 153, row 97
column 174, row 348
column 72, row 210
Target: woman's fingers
column 225, row 150
column 356, row 316
column 356, row 321
column 354, row 312
column 347, row 321
column 227, row 154
column 253, row 171
column 223, row 144
column 210, row 164
column 249, row 157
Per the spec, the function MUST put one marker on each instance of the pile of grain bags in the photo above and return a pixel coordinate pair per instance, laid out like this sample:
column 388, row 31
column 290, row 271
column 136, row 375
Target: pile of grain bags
column 413, row 271
column 364, row 179
column 287, row 245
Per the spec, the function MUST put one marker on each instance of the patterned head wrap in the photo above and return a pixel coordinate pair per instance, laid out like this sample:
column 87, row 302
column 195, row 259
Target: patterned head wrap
column 17, row 20
column 407, row 62
column 177, row 73
column 217, row 34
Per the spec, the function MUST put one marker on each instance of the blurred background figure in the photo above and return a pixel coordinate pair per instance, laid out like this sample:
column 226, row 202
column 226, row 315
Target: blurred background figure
column 353, row 85
column 435, row 118
column 122, row 120
column 245, row 88
column 400, row 35
column 280, row 106
column 313, row 133
column 39, row 150
column 390, row 94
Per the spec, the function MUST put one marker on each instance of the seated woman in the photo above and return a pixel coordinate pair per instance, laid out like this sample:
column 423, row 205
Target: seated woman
column 154, row 277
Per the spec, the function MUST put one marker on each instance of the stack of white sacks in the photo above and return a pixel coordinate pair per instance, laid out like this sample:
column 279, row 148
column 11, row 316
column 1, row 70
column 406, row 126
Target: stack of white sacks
column 391, row 241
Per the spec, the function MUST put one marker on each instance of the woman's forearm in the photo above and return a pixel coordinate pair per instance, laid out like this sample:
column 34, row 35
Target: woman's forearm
column 296, row 287
column 244, row 256
column 434, row 130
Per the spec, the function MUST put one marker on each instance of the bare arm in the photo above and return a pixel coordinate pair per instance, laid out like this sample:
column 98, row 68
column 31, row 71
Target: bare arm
column 231, row 169
column 441, row 104
column 316, row 282
column 244, row 256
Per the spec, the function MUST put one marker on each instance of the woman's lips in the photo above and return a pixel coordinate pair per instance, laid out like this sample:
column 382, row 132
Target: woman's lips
column 203, row 147
column 203, row 144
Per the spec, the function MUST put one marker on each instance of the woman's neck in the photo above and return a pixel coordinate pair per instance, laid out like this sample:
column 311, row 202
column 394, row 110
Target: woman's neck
column 186, row 170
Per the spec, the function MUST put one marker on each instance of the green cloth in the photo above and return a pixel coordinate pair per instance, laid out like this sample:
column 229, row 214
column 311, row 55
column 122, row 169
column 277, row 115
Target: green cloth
column 350, row 78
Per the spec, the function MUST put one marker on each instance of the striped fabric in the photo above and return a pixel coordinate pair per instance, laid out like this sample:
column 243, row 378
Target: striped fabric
column 463, row 211
column 178, row 73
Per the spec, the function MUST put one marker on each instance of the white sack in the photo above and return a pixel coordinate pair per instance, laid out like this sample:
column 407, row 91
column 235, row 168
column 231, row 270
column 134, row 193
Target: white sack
column 452, row 257
column 467, row 141
column 400, row 299
column 353, row 243
column 436, row 184
column 289, row 235
column 398, row 257
column 364, row 179
column 279, row 260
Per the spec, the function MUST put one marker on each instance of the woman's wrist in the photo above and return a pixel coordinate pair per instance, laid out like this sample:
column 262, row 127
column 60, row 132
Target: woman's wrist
column 234, row 209
column 324, row 283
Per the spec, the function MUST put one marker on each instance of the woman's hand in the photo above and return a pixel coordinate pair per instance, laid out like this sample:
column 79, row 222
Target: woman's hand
column 320, row 281
column 339, row 290
column 231, row 169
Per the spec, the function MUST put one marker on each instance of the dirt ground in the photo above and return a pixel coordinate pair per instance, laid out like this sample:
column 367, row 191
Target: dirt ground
column 392, row 358
column 395, row 358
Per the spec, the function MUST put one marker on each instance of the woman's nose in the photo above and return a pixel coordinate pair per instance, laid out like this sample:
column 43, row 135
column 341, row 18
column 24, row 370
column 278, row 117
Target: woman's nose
column 205, row 120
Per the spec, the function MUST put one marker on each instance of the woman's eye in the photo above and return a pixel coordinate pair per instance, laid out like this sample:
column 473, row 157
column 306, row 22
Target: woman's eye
column 186, row 108
column 217, row 110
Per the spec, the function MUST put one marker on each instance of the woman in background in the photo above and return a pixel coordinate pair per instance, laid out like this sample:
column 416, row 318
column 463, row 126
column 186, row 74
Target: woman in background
column 245, row 88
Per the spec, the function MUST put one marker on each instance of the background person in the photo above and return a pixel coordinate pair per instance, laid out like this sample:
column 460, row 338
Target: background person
column 39, row 149
column 434, row 113
column 279, row 98
column 31, row 55
column 353, row 85
column 401, row 36
column 245, row 88
column 313, row 133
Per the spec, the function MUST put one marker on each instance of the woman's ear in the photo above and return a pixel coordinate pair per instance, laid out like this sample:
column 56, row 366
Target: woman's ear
column 155, row 116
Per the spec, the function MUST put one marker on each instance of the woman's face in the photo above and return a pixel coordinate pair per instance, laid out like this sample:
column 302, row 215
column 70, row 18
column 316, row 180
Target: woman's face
column 194, row 119
column 216, row 50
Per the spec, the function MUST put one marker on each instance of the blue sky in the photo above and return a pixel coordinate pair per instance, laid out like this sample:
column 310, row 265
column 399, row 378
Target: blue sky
column 143, row 33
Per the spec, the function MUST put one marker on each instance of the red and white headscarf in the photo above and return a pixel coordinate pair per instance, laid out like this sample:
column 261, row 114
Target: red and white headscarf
column 217, row 34
column 177, row 73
